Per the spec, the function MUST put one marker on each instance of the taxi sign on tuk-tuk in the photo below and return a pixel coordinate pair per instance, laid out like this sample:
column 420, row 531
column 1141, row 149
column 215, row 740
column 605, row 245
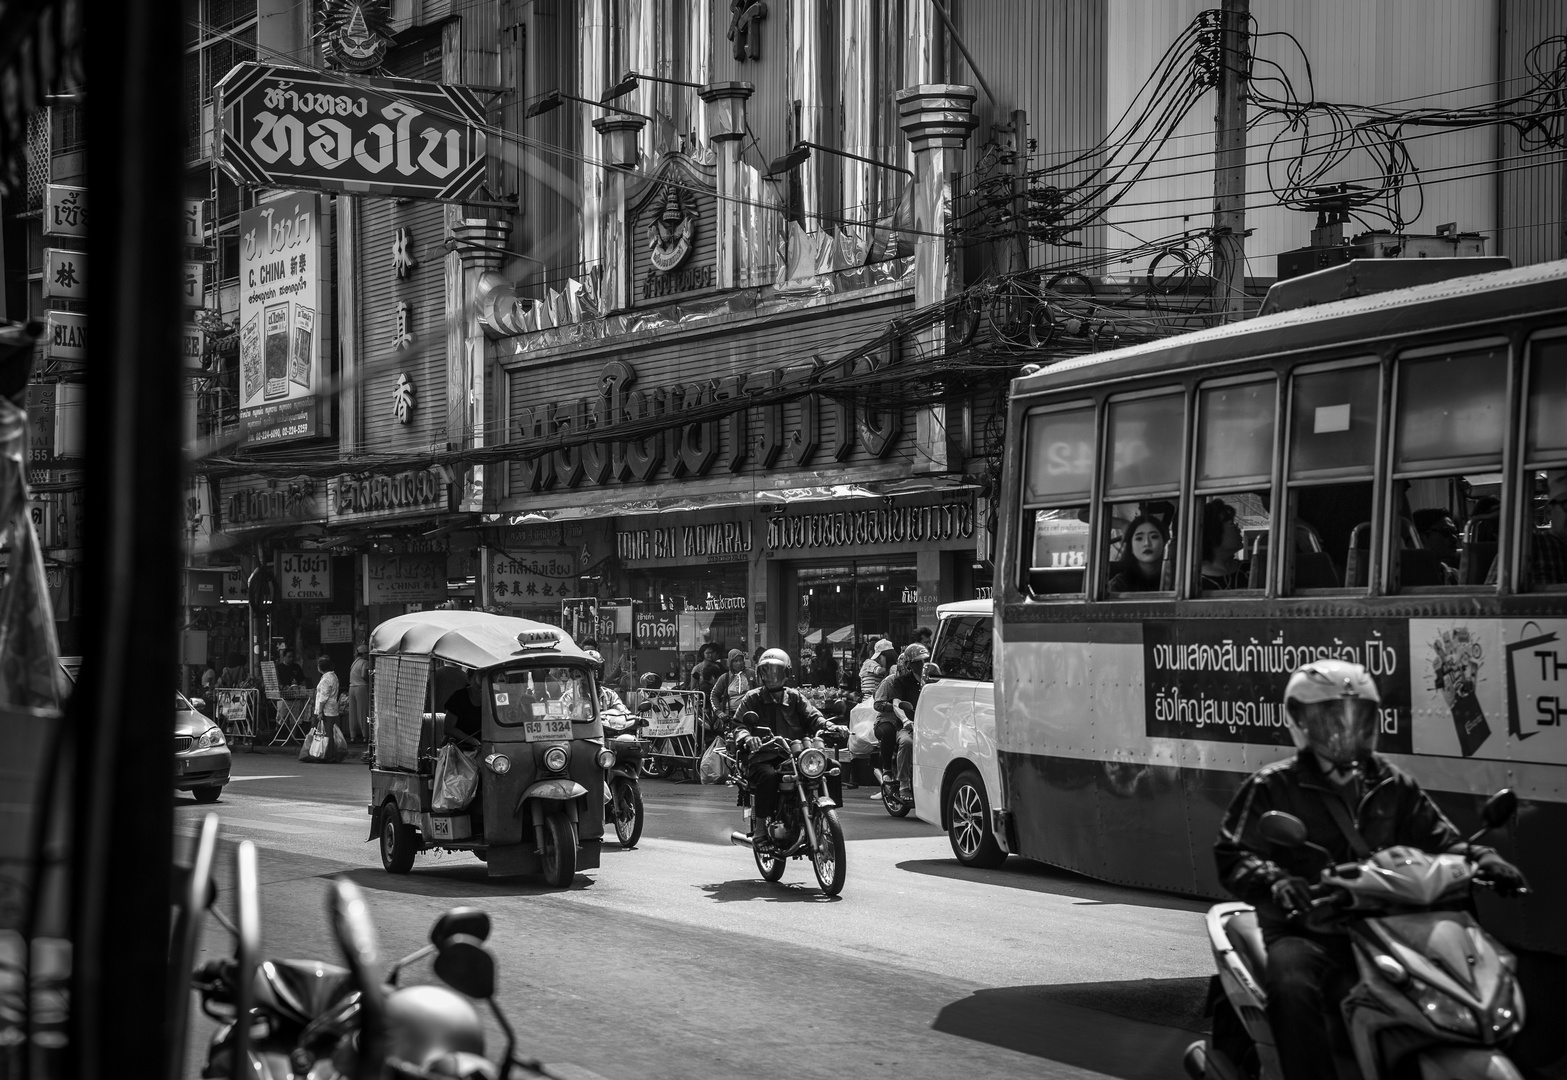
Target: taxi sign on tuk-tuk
column 519, row 700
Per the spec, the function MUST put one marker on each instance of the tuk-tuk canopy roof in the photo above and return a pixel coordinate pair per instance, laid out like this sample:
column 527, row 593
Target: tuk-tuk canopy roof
column 472, row 639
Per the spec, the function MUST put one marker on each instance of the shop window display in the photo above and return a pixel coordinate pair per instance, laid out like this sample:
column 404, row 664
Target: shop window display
column 698, row 605
column 844, row 609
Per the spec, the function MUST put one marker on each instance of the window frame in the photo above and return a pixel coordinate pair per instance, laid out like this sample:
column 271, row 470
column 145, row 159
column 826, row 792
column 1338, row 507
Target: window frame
column 1516, row 465
column 1197, row 491
column 1026, row 509
column 1099, row 521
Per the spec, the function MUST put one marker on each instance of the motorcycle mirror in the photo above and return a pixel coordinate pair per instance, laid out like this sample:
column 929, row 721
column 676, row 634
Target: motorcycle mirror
column 1285, row 830
column 932, row 671
column 748, row 719
column 907, row 708
column 467, row 921
column 466, row 966
column 643, row 722
column 1499, row 808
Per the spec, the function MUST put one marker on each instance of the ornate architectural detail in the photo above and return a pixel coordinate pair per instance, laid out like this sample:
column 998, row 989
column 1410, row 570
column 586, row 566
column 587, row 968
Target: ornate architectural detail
column 354, row 34
column 672, row 233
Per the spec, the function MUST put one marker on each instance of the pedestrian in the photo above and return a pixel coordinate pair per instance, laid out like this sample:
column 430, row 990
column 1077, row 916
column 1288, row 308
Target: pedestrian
column 328, row 716
column 924, row 636
column 731, row 686
column 234, row 673
column 209, row 685
column 877, row 666
column 289, row 673
column 359, row 696
column 706, row 672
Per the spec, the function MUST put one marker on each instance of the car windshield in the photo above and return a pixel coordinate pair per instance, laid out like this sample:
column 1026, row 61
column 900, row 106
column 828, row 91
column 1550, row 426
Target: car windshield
column 522, row 694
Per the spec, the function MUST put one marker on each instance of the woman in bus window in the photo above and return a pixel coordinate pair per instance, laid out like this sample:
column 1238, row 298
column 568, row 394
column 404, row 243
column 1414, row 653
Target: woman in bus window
column 1221, row 540
column 1141, row 565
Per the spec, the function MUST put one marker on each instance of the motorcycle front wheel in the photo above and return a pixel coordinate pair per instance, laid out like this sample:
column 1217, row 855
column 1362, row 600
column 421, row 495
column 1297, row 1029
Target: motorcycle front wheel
column 628, row 812
column 830, row 860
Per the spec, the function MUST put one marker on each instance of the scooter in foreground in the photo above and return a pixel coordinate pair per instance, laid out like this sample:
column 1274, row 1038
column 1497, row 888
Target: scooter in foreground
column 1436, row 996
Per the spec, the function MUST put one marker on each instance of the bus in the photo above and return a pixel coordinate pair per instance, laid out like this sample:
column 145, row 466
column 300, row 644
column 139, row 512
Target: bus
column 1183, row 523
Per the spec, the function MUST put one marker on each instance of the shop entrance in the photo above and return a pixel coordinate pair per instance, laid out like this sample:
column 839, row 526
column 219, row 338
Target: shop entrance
column 842, row 609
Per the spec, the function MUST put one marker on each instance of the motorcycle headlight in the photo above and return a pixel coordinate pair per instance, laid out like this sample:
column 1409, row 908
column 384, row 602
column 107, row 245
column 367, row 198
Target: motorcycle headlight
column 812, row 764
column 606, row 759
column 1444, row 1011
column 555, row 759
column 499, row 764
column 211, row 738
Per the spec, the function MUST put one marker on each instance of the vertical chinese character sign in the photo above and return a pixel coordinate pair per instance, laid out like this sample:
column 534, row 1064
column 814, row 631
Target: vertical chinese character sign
column 280, row 365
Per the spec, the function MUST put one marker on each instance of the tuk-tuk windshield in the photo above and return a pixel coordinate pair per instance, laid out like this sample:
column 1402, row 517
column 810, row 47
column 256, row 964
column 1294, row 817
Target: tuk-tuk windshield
column 522, row 694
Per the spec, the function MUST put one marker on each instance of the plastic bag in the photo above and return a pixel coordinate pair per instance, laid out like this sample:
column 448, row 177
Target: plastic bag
column 315, row 747
column 713, row 768
column 337, row 749
column 456, row 779
column 862, row 737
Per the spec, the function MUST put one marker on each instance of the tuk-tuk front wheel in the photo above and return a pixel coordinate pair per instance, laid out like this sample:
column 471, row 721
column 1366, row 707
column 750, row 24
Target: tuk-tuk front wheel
column 560, row 850
column 399, row 842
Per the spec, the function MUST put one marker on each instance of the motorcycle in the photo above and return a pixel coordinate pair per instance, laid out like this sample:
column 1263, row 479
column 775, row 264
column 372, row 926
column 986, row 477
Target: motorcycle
column 1436, row 994
column 806, row 823
column 891, row 794
column 282, row 1019
column 622, row 789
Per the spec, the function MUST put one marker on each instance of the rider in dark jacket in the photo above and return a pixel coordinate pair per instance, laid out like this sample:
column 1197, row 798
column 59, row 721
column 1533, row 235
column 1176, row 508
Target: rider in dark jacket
column 897, row 742
column 1332, row 708
column 783, row 710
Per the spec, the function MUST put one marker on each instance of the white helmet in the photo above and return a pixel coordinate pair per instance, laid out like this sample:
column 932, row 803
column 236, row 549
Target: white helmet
column 774, row 657
column 1332, row 708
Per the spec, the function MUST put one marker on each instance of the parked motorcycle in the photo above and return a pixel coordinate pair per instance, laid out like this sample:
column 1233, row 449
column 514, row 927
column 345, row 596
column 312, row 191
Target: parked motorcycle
column 891, row 796
column 1436, row 994
column 806, row 822
column 622, row 789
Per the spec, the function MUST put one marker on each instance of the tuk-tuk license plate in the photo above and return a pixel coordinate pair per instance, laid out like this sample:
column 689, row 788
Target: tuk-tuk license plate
column 547, row 730
column 453, row 827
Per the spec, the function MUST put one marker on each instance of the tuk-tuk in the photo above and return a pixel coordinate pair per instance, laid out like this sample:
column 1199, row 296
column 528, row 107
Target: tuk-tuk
column 523, row 699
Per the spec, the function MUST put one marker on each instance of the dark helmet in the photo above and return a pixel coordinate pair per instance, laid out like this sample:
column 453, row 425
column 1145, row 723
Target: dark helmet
column 650, row 680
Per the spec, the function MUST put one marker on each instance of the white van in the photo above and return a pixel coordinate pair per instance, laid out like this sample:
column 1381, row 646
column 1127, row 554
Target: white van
column 956, row 774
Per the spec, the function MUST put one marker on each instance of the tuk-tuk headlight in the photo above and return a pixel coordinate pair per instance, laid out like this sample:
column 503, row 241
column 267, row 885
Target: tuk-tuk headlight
column 499, row 764
column 607, row 759
column 812, row 763
column 555, row 759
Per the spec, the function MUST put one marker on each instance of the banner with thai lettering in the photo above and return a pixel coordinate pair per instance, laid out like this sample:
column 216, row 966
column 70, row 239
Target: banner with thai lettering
column 1222, row 680
column 304, row 575
column 398, row 579
column 670, row 712
column 280, row 279
column 529, row 578
column 351, row 498
column 293, row 128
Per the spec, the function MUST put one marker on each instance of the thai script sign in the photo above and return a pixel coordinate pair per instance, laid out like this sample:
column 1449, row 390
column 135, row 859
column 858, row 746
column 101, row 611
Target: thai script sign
column 304, row 575
column 279, row 305
column 193, row 223
column 65, row 210
column 657, row 630
column 724, row 541
column 532, row 577
column 288, row 127
column 670, row 713
column 687, row 279
column 397, row 579
column 413, row 492
column 294, row 500
column 1223, row 680
column 67, row 336
column 897, row 525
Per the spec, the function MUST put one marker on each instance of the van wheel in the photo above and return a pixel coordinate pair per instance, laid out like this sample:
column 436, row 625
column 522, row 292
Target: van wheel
column 398, row 842
column 560, row 850
column 968, row 811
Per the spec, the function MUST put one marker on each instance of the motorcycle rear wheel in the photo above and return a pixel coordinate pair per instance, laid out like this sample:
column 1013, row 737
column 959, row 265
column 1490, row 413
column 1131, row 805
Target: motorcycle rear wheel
column 628, row 813
column 896, row 805
column 560, row 850
column 830, row 860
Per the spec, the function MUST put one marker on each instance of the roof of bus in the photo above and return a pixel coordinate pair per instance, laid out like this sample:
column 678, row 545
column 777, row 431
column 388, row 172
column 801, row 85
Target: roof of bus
column 472, row 639
column 1525, row 290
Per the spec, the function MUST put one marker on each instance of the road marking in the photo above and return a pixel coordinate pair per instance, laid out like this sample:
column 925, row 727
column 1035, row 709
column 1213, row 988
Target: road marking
column 279, row 776
column 267, row 826
column 331, row 819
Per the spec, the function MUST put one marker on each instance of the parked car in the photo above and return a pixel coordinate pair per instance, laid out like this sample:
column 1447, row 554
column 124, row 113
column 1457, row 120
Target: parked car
column 201, row 753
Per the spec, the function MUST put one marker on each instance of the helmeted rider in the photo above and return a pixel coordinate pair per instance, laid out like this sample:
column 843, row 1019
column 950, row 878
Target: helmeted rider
column 609, row 701
column 1349, row 798
column 785, row 711
column 897, row 741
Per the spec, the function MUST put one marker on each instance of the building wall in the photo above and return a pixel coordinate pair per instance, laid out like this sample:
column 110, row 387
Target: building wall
column 1532, row 200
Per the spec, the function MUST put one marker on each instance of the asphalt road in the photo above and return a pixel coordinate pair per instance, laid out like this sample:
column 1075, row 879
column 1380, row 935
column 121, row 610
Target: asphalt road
column 677, row 960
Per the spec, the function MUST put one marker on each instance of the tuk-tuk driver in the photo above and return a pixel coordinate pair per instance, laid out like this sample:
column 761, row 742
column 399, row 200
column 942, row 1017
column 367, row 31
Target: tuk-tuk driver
column 463, row 710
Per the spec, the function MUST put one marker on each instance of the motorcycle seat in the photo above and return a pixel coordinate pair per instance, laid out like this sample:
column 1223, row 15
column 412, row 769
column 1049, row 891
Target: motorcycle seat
column 1246, row 936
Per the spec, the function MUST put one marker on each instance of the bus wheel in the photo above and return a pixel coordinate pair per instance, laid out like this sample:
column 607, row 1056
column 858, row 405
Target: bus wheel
column 398, row 844
column 973, row 844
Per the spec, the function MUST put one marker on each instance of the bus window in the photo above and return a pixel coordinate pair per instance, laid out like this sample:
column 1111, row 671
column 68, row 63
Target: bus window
column 1449, row 423
column 1142, row 491
column 1058, row 473
column 1234, row 484
column 1543, row 500
column 1332, row 451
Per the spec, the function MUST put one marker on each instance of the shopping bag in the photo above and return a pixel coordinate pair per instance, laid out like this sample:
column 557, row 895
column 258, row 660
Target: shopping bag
column 315, row 746
column 862, row 737
column 713, row 768
column 337, row 748
column 456, row 779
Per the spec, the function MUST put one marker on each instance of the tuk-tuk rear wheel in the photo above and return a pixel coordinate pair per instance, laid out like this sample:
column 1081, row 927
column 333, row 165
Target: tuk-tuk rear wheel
column 560, row 850
column 398, row 841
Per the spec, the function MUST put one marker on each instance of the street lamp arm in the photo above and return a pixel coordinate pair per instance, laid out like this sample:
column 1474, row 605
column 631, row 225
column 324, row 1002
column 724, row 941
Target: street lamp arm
column 856, row 157
column 628, row 83
column 555, row 98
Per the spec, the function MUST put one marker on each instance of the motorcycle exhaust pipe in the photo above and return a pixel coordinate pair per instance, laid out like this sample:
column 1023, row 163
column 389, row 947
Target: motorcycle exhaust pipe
column 740, row 839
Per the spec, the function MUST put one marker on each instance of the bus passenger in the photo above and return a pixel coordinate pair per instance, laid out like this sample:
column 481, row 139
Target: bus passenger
column 1546, row 550
column 1141, row 565
column 1221, row 540
column 1439, row 535
column 1331, row 707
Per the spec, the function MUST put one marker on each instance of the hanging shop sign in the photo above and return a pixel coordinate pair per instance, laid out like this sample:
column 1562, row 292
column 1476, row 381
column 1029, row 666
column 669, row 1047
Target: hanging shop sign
column 304, row 575
column 853, row 528
column 293, row 128
column 193, row 288
column 65, row 274
column 65, row 210
column 279, row 303
column 253, row 503
column 714, row 542
column 657, row 630
column 528, row 578
column 193, row 342
column 193, row 223
column 398, row 579
column 337, row 629
column 67, row 336
column 579, row 617
column 419, row 491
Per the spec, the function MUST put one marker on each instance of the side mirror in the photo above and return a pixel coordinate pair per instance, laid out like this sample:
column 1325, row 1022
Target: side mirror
column 643, row 722
column 908, row 709
column 1499, row 808
column 466, row 966
column 1284, row 830
column 932, row 672
column 198, row 703
column 748, row 719
column 467, row 921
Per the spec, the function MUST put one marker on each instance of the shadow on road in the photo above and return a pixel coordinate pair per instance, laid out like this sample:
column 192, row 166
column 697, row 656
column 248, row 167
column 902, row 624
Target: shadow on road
column 728, row 892
column 458, row 882
column 1135, row 1030
column 1038, row 877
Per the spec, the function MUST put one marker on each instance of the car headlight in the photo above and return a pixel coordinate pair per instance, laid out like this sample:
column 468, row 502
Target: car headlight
column 212, row 737
column 499, row 764
column 813, row 763
column 1445, row 1011
column 606, row 759
column 555, row 759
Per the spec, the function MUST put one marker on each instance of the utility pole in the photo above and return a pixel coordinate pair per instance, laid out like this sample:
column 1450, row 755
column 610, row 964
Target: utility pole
column 1020, row 187
column 1229, row 162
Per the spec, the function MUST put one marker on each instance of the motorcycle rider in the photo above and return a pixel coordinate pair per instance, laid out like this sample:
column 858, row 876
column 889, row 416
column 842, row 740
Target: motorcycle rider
column 1353, row 801
column 897, row 741
column 784, row 710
